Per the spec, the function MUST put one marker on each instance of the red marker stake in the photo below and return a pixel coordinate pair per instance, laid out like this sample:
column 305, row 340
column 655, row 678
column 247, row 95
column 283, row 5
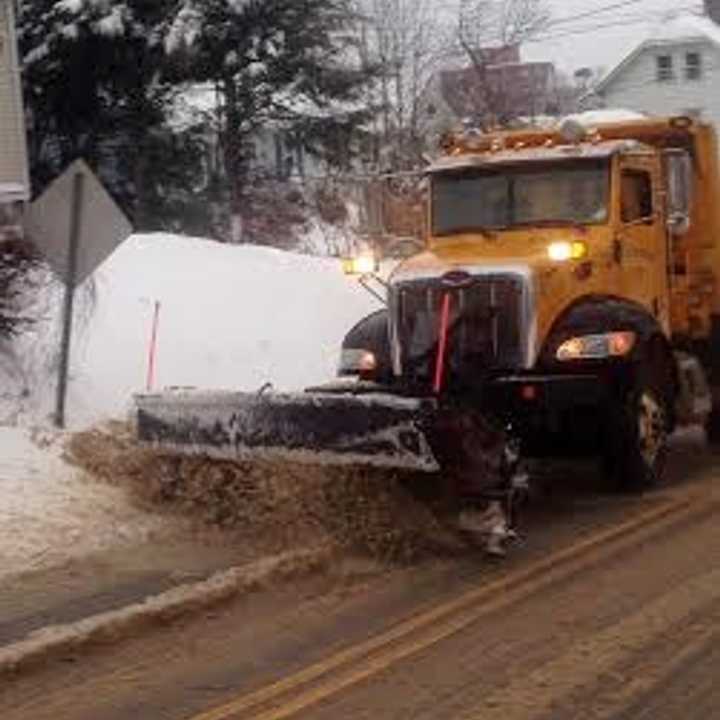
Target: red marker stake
column 442, row 343
column 153, row 348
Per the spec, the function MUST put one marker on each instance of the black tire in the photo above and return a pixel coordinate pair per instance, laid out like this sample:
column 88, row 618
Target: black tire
column 712, row 425
column 709, row 355
column 371, row 334
column 637, row 439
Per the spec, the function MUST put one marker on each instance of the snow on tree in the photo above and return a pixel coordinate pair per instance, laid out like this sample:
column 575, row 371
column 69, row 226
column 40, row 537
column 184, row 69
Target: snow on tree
column 292, row 63
column 103, row 78
column 98, row 82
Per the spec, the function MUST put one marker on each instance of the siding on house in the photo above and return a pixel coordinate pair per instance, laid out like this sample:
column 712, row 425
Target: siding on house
column 14, row 183
column 637, row 87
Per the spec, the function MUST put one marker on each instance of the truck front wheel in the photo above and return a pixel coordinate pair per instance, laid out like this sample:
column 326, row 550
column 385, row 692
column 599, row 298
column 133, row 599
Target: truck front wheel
column 712, row 423
column 637, row 436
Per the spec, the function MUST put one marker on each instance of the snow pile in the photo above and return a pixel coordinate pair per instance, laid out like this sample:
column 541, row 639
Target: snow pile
column 48, row 514
column 230, row 318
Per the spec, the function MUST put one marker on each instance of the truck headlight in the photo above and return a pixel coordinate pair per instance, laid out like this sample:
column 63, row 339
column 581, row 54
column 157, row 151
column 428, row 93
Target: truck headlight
column 597, row 347
column 357, row 362
column 365, row 264
column 564, row 251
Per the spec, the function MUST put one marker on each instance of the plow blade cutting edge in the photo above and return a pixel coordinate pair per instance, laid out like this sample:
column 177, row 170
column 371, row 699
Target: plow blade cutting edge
column 377, row 430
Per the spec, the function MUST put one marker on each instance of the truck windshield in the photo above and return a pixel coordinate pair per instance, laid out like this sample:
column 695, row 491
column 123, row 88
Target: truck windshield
column 504, row 197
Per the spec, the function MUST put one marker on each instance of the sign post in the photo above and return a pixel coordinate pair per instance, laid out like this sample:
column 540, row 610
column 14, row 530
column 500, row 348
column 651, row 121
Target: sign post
column 68, row 305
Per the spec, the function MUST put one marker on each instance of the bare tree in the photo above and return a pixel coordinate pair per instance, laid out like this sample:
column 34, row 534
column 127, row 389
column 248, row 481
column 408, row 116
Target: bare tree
column 405, row 39
column 485, row 29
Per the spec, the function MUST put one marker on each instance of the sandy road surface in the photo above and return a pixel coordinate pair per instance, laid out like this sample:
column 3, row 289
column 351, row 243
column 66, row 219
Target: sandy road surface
column 612, row 612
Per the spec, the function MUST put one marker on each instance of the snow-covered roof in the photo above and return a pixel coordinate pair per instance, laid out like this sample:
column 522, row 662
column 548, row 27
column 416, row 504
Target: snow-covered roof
column 685, row 27
column 673, row 29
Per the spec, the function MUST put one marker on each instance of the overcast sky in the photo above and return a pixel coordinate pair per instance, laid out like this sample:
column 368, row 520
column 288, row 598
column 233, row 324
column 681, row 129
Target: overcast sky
column 602, row 46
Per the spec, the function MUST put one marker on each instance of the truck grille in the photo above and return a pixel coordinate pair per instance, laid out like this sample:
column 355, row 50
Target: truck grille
column 488, row 328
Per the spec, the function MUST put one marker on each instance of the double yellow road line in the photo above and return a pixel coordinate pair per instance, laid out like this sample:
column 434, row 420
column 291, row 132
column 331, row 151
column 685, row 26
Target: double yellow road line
column 289, row 697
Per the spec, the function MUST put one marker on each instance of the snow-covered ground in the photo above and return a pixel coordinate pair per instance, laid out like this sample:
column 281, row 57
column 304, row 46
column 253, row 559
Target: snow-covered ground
column 230, row 317
column 49, row 513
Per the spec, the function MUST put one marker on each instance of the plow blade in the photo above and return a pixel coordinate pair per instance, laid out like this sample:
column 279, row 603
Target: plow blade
column 377, row 430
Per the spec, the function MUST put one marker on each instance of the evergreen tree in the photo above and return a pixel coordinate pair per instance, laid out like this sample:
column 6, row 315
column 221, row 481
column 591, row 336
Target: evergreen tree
column 99, row 84
column 103, row 78
column 289, row 62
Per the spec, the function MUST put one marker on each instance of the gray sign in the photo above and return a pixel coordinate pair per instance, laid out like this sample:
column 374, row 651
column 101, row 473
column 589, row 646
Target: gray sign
column 103, row 226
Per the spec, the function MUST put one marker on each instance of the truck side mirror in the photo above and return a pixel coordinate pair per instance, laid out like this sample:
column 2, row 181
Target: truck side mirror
column 679, row 174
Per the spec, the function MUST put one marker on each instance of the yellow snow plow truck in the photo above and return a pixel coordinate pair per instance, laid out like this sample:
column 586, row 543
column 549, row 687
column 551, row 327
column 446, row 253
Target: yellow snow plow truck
column 566, row 303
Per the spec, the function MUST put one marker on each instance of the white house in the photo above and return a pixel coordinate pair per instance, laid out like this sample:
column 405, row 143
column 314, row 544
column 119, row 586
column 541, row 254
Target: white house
column 14, row 181
column 674, row 70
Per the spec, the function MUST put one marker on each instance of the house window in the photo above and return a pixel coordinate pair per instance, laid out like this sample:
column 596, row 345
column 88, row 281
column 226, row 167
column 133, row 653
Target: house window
column 637, row 196
column 664, row 68
column 693, row 66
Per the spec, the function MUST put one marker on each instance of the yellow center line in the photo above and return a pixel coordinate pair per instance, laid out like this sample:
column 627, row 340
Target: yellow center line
column 490, row 598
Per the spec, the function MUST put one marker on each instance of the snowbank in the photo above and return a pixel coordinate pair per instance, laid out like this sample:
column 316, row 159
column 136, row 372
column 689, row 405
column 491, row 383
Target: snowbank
column 48, row 514
column 232, row 317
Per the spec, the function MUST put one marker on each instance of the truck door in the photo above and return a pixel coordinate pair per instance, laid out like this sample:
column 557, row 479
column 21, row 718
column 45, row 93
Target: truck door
column 641, row 241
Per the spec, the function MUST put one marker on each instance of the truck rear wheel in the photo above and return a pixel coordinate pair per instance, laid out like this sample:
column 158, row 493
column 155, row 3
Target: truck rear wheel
column 636, row 451
column 712, row 423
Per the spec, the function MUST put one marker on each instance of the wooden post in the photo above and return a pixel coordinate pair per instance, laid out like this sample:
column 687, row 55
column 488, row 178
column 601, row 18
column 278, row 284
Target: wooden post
column 152, row 354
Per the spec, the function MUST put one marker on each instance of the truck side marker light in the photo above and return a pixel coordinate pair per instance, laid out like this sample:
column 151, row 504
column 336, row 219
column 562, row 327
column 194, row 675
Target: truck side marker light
column 621, row 343
column 564, row 251
column 529, row 393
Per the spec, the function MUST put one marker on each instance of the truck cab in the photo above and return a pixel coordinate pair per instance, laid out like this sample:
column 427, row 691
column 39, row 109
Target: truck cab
column 567, row 284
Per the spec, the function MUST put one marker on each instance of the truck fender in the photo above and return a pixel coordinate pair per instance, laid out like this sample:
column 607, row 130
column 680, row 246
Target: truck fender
column 595, row 314
column 600, row 314
column 371, row 335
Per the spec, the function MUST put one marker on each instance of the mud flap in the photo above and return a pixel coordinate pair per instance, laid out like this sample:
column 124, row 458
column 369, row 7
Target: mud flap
column 378, row 430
